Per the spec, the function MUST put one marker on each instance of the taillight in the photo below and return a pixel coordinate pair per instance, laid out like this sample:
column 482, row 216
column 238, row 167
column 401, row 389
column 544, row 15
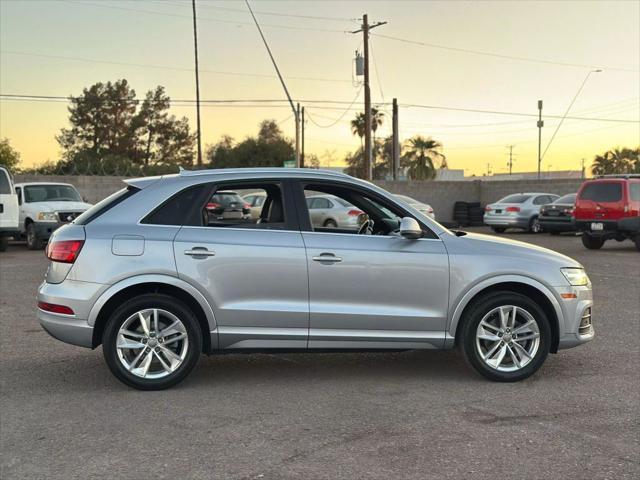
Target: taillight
column 512, row 209
column 212, row 206
column 429, row 209
column 53, row 308
column 65, row 251
column 487, row 208
column 569, row 211
column 354, row 213
column 247, row 206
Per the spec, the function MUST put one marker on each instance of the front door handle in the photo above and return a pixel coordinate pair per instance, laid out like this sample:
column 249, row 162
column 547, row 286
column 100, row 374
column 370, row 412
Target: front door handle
column 327, row 257
column 199, row 252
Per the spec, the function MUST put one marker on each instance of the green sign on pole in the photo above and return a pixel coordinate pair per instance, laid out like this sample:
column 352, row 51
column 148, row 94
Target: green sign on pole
column 289, row 164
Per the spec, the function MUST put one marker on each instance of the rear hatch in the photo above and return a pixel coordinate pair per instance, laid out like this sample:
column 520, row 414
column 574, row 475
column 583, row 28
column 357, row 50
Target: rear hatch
column 508, row 205
column 601, row 200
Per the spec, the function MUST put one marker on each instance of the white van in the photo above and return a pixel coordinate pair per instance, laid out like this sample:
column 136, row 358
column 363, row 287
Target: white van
column 8, row 209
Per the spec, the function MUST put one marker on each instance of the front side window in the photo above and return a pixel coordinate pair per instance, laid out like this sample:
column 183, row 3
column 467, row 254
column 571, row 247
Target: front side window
column 5, row 183
column 51, row 193
column 634, row 191
column 351, row 211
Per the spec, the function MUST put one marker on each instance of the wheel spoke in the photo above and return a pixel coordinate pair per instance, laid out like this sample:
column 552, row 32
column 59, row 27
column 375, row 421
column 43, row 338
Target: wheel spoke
column 521, row 350
column 165, row 365
column 144, row 365
column 529, row 336
column 175, row 327
column 504, row 318
column 144, row 322
column 175, row 339
column 484, row 324
column 524, row 326
column 514, row 357
column 155, row 320
column 492, row 350
column 125, row 343
column 497, row 360
column 135, row 361
column 129, row 333
column 514, row 313
column 171, row 356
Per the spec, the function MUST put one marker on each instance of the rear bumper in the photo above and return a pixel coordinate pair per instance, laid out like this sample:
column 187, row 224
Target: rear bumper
column 67, row 328
column 628, row 226
column 557, row 224
column 506, row 221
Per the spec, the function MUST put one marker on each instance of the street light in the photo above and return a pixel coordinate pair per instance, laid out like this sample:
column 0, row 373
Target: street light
column 598, row 70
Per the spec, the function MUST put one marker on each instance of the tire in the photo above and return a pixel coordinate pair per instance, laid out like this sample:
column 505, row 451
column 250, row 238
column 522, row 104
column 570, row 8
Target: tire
column 498, row 229
column 534, row 225
column 636, row 240
column 505, row 368
column 330, row 224
column 4, row 243
column 554, row 233
column 591, row 242
column 187, row 348
column 33, row 241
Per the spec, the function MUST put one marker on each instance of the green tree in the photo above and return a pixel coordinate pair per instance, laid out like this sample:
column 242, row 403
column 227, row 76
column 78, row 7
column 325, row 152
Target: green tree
column 268, row 149
column 617, row 161
column 9, row 156
column 422, row 157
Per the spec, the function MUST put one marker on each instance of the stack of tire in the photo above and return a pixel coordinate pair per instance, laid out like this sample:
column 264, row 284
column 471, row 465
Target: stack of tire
column 461, row 213
column 476, row 214
column 468, row 214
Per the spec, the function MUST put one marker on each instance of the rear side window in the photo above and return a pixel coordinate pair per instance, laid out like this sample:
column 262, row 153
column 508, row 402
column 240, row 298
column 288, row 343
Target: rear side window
column 602, row 192
column 517, row 198
column 634, row 191
column 184, row 208
column 5, row 184
column 105, row 205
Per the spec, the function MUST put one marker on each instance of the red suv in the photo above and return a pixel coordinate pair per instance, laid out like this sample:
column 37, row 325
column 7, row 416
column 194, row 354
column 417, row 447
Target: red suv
column 609, row 207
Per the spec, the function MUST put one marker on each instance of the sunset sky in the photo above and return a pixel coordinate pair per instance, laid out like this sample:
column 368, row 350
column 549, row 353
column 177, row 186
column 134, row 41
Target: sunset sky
column 55, row 48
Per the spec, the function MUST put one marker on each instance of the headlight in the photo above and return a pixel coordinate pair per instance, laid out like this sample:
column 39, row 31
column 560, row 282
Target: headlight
column 47, row 217
column 575, row 276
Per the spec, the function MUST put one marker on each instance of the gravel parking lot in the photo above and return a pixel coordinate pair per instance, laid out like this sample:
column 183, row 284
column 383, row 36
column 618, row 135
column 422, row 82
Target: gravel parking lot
column 370, row 415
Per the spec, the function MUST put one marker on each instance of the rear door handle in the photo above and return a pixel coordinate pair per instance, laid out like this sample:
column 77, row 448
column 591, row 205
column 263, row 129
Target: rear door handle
column 327, row 257
column 199, row 252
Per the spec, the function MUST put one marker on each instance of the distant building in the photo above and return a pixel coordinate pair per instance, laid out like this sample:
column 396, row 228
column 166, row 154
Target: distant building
column 559, row 174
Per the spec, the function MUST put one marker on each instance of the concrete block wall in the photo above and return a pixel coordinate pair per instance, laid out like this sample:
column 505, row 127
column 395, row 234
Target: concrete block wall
column 440, row 195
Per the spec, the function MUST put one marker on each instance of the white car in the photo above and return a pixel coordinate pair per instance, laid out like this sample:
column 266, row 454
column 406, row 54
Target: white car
column 255, row 202
column 44, row 207
column 421, row 207
column 8, row 209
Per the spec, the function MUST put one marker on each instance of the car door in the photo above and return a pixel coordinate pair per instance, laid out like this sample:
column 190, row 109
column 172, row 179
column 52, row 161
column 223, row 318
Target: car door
column 253, row 274
column 375, row 291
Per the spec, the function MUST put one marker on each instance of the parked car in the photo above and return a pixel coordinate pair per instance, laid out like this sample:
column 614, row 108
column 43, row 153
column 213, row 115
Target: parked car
column 421, row 207
column 557, row 217
column 8, row 209
column 609, row 208
column 228, row 205
column 329, row 211
column 144, row 275
column 45, row 207
column 519, row 210
column 255, row 201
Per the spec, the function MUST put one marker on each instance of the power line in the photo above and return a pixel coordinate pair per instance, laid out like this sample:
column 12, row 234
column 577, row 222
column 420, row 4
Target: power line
column 262, row 12
column 499, row 55
column 337, row 120
column 217, row 20
column 167, row 67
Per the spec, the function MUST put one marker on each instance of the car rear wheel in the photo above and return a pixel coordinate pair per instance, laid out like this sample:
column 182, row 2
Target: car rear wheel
column 505, row 336
column 330, row 224
column 4, row 243
column 152, row 342
column 636, row 240
column 498, row 229
column 592, row 242
column 534, row 225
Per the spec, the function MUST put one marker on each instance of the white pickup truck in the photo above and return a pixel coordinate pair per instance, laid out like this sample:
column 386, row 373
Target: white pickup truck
column 44, row 207
column 8, row 209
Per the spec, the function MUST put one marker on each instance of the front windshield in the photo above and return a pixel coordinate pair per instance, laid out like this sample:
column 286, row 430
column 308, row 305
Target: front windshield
column 51, row 193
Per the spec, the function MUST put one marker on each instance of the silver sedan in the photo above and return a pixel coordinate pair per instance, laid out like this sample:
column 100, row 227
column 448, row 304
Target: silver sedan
column 328, row 211
column 418, row 205
column 519, row 210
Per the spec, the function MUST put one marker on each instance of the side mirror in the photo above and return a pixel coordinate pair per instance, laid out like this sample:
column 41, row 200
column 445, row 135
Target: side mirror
column 410, row 228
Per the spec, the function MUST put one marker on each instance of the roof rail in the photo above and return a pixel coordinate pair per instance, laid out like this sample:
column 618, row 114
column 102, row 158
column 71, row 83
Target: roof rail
column 620, row 175
column 279, row 170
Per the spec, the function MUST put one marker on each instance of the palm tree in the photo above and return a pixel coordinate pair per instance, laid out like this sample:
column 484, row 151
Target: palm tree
column 618, row 160
column 421, row 157
column 358, row 126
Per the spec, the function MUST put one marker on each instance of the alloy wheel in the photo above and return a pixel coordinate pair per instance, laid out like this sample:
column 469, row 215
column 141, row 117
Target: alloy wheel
column 507, row 338
column 152, row 343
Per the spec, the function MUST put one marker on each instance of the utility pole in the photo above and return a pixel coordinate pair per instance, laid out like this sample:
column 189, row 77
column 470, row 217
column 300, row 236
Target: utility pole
column 396, row 142
column 302, row 127
column 540, row 125
column 582, row 169
column 296, row 112
column 195, row 49
column 510, row 147
column 368, row 145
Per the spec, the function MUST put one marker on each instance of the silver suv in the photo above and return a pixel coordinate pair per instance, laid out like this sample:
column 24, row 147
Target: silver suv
column 151, row 277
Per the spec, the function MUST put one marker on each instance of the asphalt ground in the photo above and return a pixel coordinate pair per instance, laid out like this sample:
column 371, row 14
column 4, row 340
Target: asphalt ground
column 342, row 415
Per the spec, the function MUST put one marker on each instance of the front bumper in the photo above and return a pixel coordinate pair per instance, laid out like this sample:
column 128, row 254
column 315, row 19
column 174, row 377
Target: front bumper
column 628, row 226
column 80, row 297
column 576, row 329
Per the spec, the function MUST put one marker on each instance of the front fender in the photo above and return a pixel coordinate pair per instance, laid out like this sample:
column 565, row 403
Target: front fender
column 489, row 282
column 153, row 278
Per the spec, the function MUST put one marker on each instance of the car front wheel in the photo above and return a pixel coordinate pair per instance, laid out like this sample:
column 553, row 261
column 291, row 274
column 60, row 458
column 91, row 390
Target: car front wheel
column 152, row 342
column 33, row 241
column 505, row 337
column 534, row 225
